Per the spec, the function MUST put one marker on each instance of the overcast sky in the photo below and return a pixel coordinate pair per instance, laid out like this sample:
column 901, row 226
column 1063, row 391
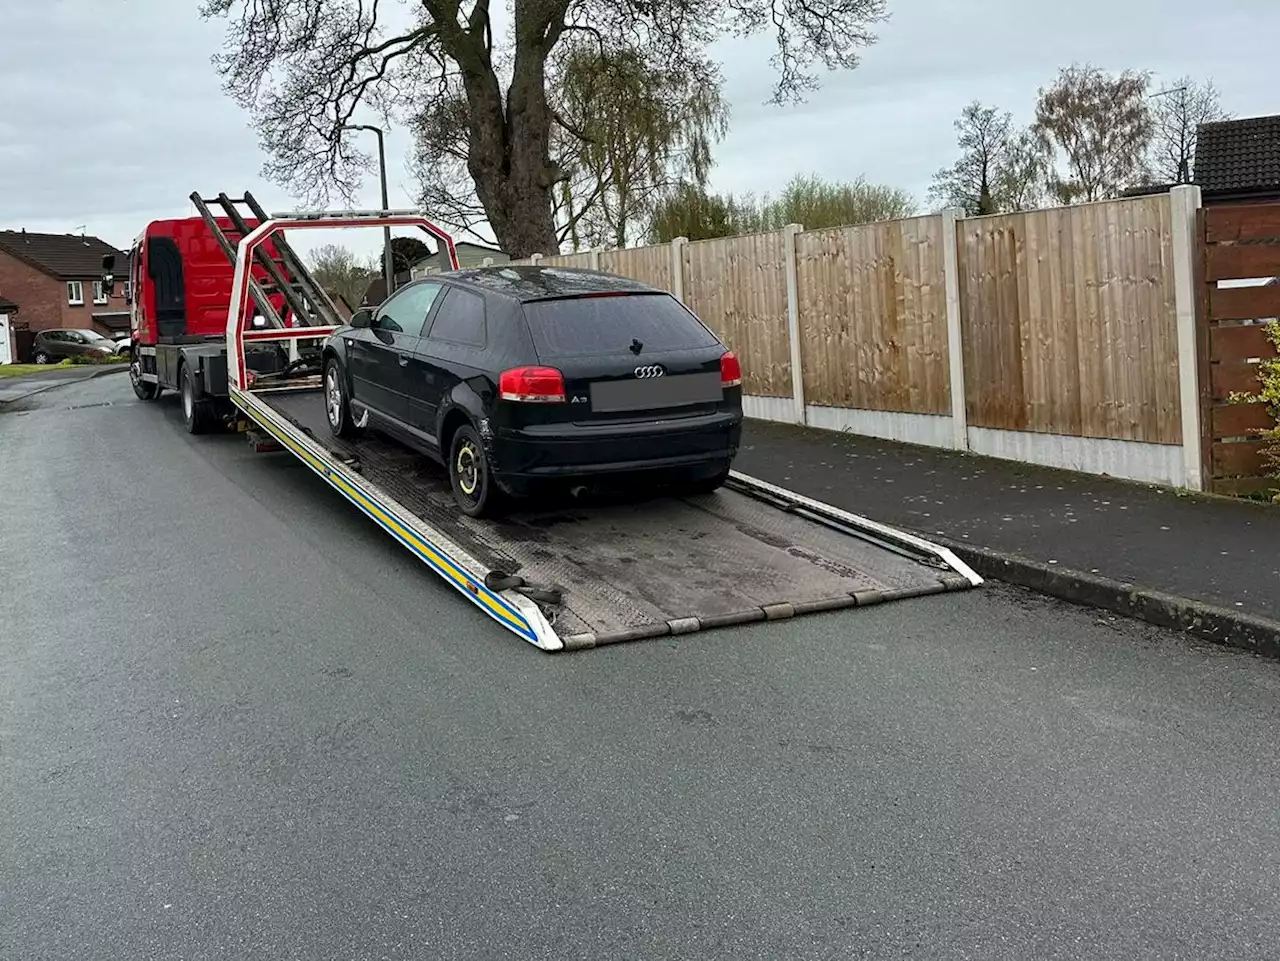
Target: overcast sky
column 113, row 113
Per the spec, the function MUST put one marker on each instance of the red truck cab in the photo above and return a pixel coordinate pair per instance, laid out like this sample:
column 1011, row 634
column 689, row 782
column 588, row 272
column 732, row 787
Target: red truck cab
column 180, row 282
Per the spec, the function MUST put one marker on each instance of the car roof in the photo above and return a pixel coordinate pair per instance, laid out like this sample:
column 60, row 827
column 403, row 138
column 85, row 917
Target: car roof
column 528, row 282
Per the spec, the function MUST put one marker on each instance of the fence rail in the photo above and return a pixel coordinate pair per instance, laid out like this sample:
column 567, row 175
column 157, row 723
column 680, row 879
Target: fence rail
column 1065, row 336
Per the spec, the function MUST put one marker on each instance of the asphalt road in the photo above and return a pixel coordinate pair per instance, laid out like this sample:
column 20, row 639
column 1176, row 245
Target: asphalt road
column 236, row 721
column 13, row 389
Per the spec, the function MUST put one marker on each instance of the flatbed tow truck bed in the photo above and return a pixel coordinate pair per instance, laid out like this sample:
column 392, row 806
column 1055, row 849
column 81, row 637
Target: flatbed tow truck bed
column 577, row 575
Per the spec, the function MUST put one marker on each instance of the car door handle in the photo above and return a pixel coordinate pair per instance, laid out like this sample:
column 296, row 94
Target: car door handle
column 404, row 360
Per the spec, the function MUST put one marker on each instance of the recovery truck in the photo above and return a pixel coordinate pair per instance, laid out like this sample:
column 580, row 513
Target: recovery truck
column 561, row 577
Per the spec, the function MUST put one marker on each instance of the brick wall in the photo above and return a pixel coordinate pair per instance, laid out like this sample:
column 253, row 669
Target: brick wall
column 42, row 300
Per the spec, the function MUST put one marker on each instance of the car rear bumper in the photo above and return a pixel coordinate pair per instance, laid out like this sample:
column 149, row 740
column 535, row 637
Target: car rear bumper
column 702, row 444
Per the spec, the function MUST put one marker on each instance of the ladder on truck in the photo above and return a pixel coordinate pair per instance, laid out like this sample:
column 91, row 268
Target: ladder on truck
column 305, row 301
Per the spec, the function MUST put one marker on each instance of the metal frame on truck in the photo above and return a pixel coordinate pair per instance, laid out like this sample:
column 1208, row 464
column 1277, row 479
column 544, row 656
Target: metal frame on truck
column 756, row 514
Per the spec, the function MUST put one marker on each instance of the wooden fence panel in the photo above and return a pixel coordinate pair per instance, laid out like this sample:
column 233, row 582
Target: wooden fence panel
column 1236, row 243
column 1069, row 321
column 582, row 260
column 738, row 286
column 649, row 265
column 873, row 316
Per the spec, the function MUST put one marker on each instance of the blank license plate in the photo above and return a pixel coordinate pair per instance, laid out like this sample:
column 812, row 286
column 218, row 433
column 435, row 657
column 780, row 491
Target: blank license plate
column 677, row 391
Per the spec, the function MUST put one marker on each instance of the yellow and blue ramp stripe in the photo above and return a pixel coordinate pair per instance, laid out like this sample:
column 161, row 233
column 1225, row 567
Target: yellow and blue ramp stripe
column 438, row 560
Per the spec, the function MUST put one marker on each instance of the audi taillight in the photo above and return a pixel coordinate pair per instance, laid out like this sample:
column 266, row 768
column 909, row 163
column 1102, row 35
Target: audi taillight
column 730, row 370
column 532, row 385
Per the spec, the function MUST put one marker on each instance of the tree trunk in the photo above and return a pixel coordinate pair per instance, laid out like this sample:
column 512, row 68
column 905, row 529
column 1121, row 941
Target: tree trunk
column 508, row 154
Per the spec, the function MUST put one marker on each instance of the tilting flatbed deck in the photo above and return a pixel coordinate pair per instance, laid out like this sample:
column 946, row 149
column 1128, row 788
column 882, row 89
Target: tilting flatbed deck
column 599, row 573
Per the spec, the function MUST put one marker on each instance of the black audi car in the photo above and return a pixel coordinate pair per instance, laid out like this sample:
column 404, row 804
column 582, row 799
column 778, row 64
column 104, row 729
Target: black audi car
column 520, row 377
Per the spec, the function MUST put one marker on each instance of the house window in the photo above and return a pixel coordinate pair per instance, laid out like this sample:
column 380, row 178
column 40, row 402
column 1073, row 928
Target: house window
column 75, row 293
column 99, row 295
column 128, row 290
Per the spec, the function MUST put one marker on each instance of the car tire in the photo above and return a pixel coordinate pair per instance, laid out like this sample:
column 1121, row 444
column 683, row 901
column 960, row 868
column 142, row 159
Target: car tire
column 195, row 410
column 43, row 358
column 470, row 477
column 337, row 402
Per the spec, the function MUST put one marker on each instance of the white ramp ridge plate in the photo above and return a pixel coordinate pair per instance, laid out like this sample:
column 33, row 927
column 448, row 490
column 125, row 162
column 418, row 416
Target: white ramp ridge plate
column 578, row 575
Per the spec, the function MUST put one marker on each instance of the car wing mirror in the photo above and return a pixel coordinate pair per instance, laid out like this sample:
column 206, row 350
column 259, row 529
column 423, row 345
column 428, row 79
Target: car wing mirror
column 362, row 318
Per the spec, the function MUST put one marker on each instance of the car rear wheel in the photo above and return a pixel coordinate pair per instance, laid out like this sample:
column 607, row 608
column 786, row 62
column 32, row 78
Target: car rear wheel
column 337, row 405
column 469, row 474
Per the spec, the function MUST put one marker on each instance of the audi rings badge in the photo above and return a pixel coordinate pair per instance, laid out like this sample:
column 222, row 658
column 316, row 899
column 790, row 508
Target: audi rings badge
column 650, row 371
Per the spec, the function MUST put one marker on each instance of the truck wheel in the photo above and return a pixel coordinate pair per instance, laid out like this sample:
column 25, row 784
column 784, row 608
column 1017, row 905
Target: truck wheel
column 337, row 405
column 195, row 410
column 469, row 475
column 144, row 390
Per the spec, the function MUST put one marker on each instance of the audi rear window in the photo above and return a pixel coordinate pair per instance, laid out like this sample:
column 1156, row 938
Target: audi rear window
column 601, row 326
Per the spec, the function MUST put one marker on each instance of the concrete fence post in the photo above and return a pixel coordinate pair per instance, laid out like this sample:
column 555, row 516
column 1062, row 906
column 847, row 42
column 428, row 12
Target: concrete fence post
column 1184, row 203
column 594, row 259
column 677, row 267
column 535, row 258
column 487, row 262
column 799, row 410
column 951, row 218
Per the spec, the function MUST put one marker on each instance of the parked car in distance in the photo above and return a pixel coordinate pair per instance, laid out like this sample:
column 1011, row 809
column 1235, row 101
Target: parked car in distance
column 124, row 344
column 521, row 377
column 57, row 344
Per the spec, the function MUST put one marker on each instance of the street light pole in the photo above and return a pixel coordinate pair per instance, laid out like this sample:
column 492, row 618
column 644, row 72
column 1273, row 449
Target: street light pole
column 388, row 261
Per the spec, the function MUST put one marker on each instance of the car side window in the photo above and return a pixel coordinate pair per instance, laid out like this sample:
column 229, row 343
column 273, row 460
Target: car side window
column 460, row 319
column 407, row 310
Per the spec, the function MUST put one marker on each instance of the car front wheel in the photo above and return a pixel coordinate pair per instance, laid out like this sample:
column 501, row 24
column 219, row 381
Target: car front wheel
column 470, row 476
column 337, row 405
column 43, row 358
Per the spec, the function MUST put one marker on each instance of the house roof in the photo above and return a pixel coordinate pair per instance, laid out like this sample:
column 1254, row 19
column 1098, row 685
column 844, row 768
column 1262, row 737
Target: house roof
column 68, row 256
column 1238, row 155
column 439, row 255
column 375, row 293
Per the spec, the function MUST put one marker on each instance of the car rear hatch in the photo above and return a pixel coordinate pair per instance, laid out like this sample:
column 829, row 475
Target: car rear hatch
column 628, row 357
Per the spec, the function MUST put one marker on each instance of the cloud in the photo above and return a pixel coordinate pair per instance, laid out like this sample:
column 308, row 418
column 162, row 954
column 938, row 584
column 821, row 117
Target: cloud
column 113, row 113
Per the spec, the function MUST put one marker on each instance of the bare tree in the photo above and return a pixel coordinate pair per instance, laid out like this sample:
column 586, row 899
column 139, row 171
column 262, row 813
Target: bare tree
column 338, row 271
column 1102, row 125
column 307, row 68
column 1000, row 168
column 818, row 203
column 1177, row 113
column 642, row 131
column 688, row 211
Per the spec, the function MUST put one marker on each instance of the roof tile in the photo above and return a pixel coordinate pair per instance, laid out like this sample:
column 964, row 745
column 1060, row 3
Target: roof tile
column 62, row 255
column 1238, row 154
